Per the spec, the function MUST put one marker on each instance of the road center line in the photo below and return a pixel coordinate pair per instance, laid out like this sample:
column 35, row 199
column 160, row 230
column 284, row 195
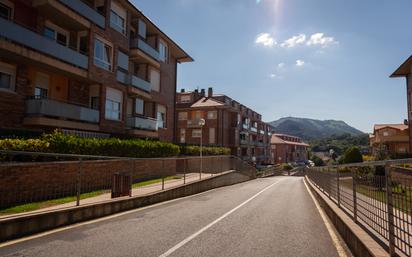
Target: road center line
column 191, row 237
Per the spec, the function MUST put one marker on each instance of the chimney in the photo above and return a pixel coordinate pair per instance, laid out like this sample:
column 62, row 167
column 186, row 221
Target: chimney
column 182, row 90
column 210, row 92
column 405, row 122
column 203, row 92
column 196, row 91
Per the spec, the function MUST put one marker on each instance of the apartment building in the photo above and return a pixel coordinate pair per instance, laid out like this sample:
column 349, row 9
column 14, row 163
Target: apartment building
column 405, row 71
column 288, row 149
column 391, row 139
column 228, row 123
column 89, row 67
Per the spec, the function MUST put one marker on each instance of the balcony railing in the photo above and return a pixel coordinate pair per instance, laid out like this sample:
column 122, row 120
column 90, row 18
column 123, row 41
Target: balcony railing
column 86, row 11
column 144, row 123
column 145, row 47
column 253, row 129
column 262, row 132
column 245, row 126
column 133, row 80
column 140, row 83
column 48, row 107
column 42, row 44
column 244, row 141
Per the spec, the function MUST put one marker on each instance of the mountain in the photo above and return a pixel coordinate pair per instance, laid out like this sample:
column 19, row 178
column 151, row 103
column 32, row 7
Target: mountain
column 310, row 129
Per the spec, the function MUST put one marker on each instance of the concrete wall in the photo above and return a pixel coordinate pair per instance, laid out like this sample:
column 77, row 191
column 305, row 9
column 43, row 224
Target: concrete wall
column 22, row 226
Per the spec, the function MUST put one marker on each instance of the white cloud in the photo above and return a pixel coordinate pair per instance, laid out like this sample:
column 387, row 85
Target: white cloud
column 294, row 41
column 281, row 65
column 320, row 39
column 265, row 39
column 272, row 76
column 300, row 63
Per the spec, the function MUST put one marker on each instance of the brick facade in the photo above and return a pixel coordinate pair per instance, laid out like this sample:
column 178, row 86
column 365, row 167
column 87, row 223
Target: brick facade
column 79, row 80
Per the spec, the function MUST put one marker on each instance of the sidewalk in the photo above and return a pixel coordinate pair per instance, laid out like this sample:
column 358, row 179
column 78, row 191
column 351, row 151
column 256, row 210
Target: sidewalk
column 139, row 191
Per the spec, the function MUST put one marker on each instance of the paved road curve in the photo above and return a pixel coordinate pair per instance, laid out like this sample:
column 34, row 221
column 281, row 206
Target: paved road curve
column 264, row 217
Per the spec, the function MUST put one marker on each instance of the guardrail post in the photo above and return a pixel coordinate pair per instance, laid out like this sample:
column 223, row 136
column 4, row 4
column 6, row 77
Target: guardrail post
column 131, row 179
column 355, row 207
column 389, row 203
column 338, row 186
column 184, row 170
column 79, row 183
column 163, row 176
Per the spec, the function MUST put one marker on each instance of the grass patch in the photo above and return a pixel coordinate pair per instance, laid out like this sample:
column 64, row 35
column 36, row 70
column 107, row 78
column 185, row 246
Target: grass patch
column 153, row 181
column 44, row 204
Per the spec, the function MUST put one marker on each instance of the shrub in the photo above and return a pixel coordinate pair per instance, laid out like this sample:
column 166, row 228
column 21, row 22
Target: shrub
column 352, row 155
column 287, row 166
column 318, row 161
column 191, row 150
column 28, row 145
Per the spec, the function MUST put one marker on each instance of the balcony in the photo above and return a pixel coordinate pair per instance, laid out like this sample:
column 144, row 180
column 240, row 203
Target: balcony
column 134, row 81
column 42, row 44
column 48, row 107
column 145, row 47
column 262, row 132
column 86, row 11
column 253, row 129
column 244, row 141
column 193, row 123
column 144, row 123
column 245, row 126
column 140, row 83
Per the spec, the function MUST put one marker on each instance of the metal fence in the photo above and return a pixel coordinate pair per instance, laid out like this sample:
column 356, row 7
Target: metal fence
column 43, row 181
column 377, row 195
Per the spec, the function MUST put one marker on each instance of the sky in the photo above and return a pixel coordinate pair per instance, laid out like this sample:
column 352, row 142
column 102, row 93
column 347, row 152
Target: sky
column 321, row 59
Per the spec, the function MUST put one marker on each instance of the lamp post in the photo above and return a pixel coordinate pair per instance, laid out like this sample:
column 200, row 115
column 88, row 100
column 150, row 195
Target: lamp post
column 202, row 122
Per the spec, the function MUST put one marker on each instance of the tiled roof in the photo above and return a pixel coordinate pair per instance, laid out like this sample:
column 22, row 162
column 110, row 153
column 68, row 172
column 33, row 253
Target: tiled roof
column 207, row 102
column 394, row 126
column 277, row 140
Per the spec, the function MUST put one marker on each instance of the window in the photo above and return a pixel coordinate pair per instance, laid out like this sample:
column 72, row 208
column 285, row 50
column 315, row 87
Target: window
column 100, row 6
column 198, row 115
column 161, row 116
column 82, row 42
column 212, row 115
column 139, row 106
column 182, row 115
column 123, row 60
column 6, row 10
column 114, row 99
column 7, row 76
column 163, row 51
column 142, row 29
column 155, row 80
column 94, row 93
column 103, row 54
column 212, row 136
column 118, row 18
column 185, row 98
column 56, row 33
column 385, row 133
column 197, row 133
column 182, row 136
column 41, row 86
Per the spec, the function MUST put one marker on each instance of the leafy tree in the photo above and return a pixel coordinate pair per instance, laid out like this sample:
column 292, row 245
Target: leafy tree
column 318, row 161
column 352, row 155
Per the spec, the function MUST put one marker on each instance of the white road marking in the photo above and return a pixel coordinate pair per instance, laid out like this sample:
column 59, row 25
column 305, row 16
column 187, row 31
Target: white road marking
column 42, row 234
column 336, row 242
column 191, row 237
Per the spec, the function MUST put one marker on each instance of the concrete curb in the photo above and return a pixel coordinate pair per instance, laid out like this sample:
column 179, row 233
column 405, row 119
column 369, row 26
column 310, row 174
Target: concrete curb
column 30, row 224
column 359, row 241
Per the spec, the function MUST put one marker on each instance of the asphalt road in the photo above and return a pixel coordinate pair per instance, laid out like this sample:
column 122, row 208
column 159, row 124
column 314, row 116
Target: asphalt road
column 264, row 217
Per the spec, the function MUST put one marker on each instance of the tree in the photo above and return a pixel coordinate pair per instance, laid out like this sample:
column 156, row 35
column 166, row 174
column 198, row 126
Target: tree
column 352, row 155
column 318, row 161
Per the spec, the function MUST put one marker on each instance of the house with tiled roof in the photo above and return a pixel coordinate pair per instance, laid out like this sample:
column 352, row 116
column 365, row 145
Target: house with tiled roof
column 288, row 149
column 391, row 138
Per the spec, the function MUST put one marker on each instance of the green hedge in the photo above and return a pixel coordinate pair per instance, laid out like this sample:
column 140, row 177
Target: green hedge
column 138, row 148
column 191, row 150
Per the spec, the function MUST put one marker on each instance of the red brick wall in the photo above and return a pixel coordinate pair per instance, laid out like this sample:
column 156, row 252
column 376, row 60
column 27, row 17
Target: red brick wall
column 29, row 182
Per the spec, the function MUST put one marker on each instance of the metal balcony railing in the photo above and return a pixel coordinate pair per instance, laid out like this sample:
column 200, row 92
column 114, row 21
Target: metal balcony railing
column 253, row 129
column 144, row 123
column 86, row 11
column 145, row 47
column 48, row 107
column 31, row 39
column 133, row 80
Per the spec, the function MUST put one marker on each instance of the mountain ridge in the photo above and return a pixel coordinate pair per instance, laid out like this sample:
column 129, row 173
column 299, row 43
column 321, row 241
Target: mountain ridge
column 311, row 129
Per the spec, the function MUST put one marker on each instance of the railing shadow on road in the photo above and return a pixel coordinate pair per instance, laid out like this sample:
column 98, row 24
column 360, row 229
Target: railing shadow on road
column 376, row 195
column 34, row 182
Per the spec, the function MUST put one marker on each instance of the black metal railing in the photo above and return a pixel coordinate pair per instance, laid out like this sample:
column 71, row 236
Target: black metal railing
column 377, row 195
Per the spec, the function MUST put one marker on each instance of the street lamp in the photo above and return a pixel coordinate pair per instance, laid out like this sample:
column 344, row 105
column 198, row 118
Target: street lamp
column 202, row 122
